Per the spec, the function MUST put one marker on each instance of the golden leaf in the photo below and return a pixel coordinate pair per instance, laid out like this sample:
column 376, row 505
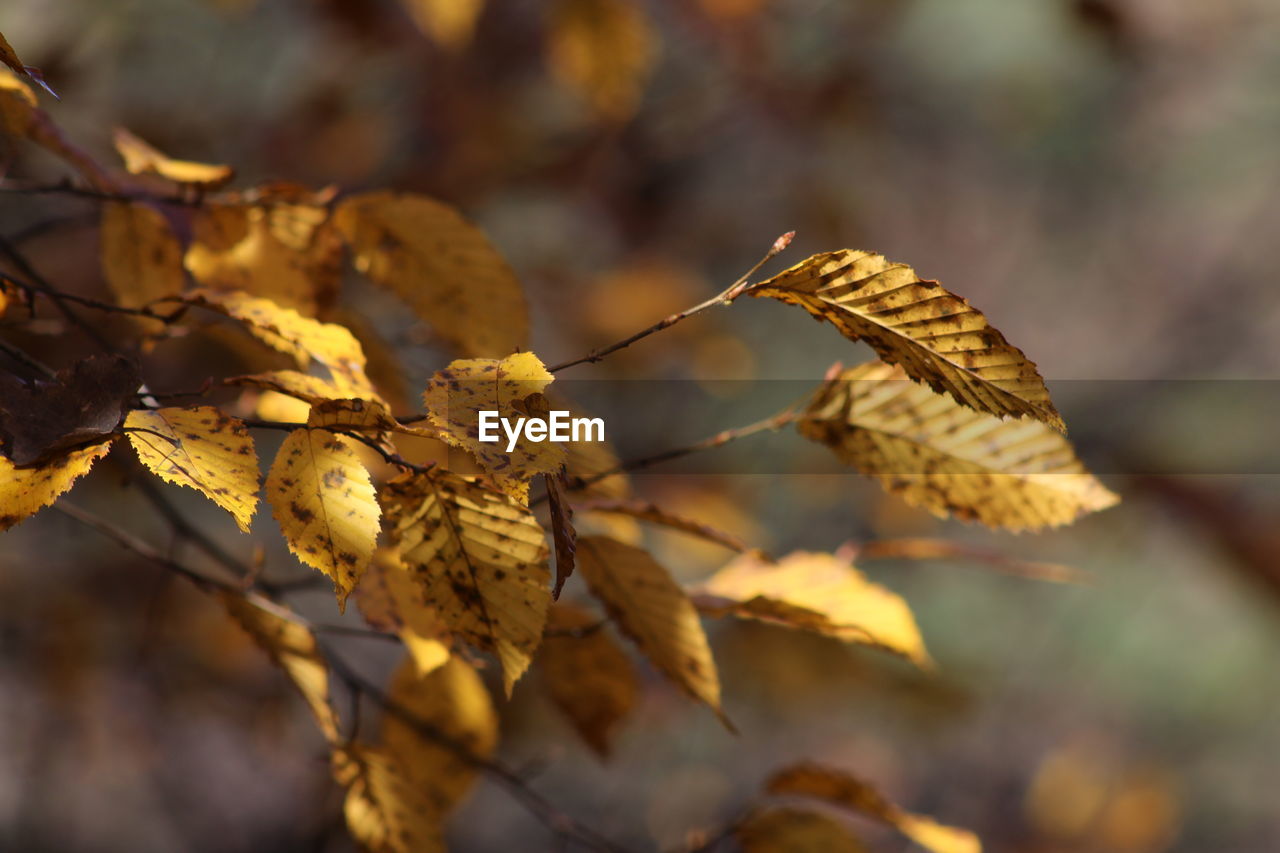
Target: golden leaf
column 18, row 105
column 142, row 159
column 603, row 51
column 292, row 647
column 391, row 600
column 950, row 459
column 324, row 501
column 795, row 831
column 449, row 23
column 26, row 491
column 654, row 611
column 453, row 702
column 141, row 258
column 815, row 592
column 387, row 811
column 457, row 395
column 589, row 678
column 842, row 789
column 936, row 336
column 440, row 264
column 302, row 386
column 203, row 449
column 354, row 415
column 480, row 559
column 288, row 253
column 655, row 514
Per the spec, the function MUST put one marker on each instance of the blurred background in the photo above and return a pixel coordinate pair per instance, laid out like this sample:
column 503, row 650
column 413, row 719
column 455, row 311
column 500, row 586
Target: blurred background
column 1099, row 176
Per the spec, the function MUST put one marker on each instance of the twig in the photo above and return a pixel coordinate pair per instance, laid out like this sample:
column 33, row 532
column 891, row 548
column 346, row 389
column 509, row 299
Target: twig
column 37, row 283
column 723, row 298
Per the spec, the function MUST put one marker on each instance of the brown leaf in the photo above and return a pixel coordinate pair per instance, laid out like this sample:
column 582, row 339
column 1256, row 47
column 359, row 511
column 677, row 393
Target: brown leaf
column 10, row 58
column 795, row 831
column 83, row 403
column 589, row 678
column 562, row 532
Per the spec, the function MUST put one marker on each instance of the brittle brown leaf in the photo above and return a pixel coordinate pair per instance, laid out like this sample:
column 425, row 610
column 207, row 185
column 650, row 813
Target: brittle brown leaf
column 562, row 532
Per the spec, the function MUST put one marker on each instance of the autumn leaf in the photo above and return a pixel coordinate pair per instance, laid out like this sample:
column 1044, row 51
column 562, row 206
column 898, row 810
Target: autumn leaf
column 589, row 678
column 293, row 648
column 141, row 158
column 18, row 105
column 390, row 599
column 654, row 611
column 10, row 58
column 387, row 811
column 441, row 265
column 795, row 831
column 479, row 557
column 201, row 448
column 452, row 701
column 650, row 512
column 950, row 459
column 26, row 491
column 603, row 51
column 323, row 499
column 843, row 789
column 562, row 532
column 937, row 337
column 815, row 592
column 449, row 23
column 302, row 386
column 457, row 395
column 353, row 415
column 141, row 257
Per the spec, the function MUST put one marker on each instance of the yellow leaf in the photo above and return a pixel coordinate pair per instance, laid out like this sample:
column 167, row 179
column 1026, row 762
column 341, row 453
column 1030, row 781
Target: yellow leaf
column 304, row 339
column 201, row 448
column 591, row 680
column 324, row 501
column 354, row 415
column 141, row 258
column 292, row 647
column 386, row 810
column 453, row 701
column 457, row 395
column 655, row 514
column 654, row 611
column 142, row 159
column 603, row 51
column 18, row 105
column 440, row 264
column 950, row 459
column 391, row 600
column 449, row 23
column 480, row 559
column 795, row 831
column 936, row 336
column 26, row 491
column 842, row 789
column 302, row 386
column 288, row 253
column 819, row 593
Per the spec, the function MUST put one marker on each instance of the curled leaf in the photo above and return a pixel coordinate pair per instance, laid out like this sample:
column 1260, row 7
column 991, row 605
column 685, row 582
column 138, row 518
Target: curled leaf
column 141, row 158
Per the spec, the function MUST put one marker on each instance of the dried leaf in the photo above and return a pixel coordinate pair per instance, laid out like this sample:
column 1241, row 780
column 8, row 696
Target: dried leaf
column 457, row 395
column 292, row 647
column 562, row 532
column 819, row 593
column 936, row 336
column 10, row 58
column 440, row 264
column 480, row 559
column 201, row 448
column 950, row 459
column 449, row 23
column 26, row 491
column 391, row 600
column 657, row 515
column 354, row 415
column 387, row 811
column 83, row 403
column 141, row 257
column 453, row 703
column 654, row 611
column 603, row 51
column 324, row 501
column 589, row 678
column 18, row 105
column 842, row 789
column 142, row 159
column 795, row 831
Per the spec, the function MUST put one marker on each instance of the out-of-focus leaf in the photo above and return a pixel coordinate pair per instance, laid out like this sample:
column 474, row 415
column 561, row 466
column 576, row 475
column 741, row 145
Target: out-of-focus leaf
column 603, row 51
column 842, row 789
column 449, row 23
column 937, row 337
column 391, row 600
column 441, row 265
column 654, row 611
column 480, row 559
column 201, row 448
column 657, row 515
column 26, row 491
column 795, row 831
column 141, row 257
column 10, row 58
column 387, row 811
column 950, row 459
column 141, row 158
column 18, row 105
column 819, row 593
column 590, row 679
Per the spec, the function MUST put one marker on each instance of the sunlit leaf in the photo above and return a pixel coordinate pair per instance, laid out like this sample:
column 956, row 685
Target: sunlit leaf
column 141, row 257
column 450, row 23
column 387, row 811
column 390, row 599
column 26, row 491
column 603, row 51
column 141, row 158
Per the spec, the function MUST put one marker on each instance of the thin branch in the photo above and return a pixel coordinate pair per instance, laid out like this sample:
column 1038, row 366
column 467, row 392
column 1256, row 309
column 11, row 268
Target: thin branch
column 725, row 297
column 37, row 283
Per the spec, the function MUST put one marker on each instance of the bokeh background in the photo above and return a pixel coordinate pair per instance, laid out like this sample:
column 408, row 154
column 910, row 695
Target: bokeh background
column 1099, row 176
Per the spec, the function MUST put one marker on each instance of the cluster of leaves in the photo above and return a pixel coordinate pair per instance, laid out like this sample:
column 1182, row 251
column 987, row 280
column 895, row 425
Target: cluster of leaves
column 457, row 563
